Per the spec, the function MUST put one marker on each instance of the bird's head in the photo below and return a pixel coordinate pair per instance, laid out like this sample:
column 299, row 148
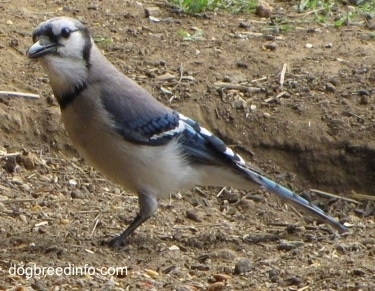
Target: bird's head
column 63, row 46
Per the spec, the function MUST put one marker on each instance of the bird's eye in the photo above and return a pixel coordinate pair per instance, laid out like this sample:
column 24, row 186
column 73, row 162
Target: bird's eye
column 65, row 32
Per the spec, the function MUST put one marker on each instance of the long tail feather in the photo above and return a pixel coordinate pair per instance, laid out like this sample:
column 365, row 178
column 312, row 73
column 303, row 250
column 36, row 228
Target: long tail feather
column 292, row 198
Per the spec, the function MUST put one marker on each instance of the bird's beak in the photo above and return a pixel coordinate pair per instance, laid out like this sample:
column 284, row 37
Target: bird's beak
column 38, row 50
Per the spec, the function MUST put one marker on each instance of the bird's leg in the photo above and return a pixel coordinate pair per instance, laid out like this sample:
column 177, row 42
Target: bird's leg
column 147, row 207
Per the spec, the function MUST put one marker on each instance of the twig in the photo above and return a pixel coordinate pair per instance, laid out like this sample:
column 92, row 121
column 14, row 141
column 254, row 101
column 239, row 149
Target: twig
column 220, row 192
column 249, row 33
column 200, row 191
column 310, row 12
column 179, row 81
column 9, row 201
column 237, row 87
column 78, row 168
column 19, row 94
column 304, row 288
column 282, row 75
column 273, row 98
column 280, row 224
column 333, row 195
column 296, row 211
column 95, row 225
column 260, row 79
column 355, row 115
column 2, row 155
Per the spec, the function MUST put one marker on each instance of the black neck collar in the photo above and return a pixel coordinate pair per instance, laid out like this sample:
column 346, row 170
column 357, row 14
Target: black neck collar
column 69, row 97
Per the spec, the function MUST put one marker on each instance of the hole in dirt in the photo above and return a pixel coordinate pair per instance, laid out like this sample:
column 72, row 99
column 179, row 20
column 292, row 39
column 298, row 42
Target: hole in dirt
column 338, row 168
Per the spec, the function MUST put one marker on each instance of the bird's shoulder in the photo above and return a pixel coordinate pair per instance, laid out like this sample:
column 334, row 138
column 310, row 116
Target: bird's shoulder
column 135, row 114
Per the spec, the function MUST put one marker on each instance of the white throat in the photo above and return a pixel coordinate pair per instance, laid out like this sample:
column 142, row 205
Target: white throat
column 64, row 73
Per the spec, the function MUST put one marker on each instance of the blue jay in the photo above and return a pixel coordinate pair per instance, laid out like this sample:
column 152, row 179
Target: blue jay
column 125, row 133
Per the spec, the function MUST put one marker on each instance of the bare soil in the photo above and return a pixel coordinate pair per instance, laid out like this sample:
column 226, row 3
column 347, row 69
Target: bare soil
column 314, row 131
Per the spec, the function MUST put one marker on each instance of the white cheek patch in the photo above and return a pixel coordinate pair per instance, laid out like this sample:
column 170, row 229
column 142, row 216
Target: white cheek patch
column 73, row 46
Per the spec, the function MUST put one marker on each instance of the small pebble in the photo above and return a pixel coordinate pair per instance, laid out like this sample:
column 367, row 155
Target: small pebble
column 290, row 245
column 222, row 277
column 76, row 195
column 217, row 286
column 273, row 273
column 330, row 88
column 266, row 115
column 23, row 218
column 152, row 273
column 152, row 11
column 14, row 42
column 263, row 9
column 308, row 45
column 239, row 103
column 245, row 204
column 328, row 45
column 358, row 272
column 351, row 8
column 227, row 79
column 242, row 266
column 42, row 230
column 72, row 182
column 10, row 164
column 92, row 7
column 174, row 248
column 193, row 215
column 27, row 161
column 334, row 81
column 242, row 65
column 363, row 92
column 64, row 221
column 229, row 196
column 293, row 280
column 270, row 46
column 244, row 25
column 365, row 99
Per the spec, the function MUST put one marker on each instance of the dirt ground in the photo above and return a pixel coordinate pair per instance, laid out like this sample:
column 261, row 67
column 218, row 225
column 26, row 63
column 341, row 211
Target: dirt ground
column 314, row 130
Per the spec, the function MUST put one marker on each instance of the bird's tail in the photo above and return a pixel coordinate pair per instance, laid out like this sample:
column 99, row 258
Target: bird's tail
column 291, row 197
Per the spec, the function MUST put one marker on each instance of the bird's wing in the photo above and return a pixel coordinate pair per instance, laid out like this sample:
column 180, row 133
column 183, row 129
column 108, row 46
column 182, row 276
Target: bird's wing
column 140, row 119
